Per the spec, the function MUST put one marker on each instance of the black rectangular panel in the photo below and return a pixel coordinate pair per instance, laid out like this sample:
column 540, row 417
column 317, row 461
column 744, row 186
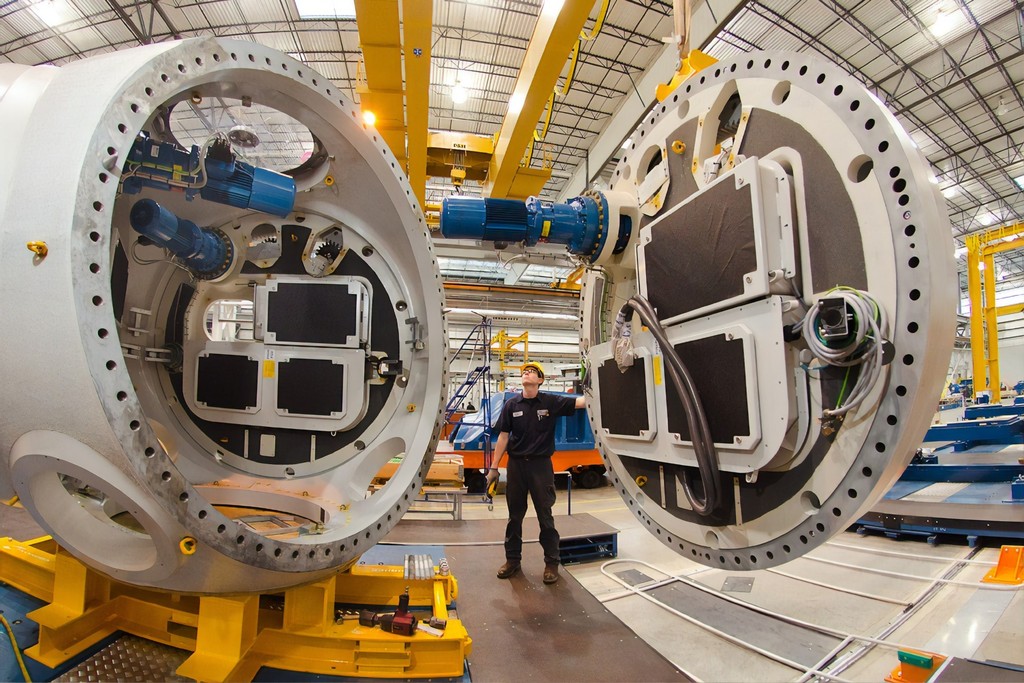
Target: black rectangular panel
column 720, row 376
column 227, row 381
column 310, row 386
column 699, row 254
column 623, row 398
column 311, row 313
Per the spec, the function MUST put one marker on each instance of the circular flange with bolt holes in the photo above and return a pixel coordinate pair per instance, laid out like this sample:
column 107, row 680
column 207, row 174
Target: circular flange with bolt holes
column 95, row 439
column 862, row 212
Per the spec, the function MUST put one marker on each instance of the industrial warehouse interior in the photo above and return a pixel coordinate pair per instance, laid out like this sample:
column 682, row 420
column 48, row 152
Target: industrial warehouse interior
column 492, row 340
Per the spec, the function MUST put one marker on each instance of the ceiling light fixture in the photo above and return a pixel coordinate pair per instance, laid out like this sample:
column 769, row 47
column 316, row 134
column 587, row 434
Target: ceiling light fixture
column 552, row 7
column 1003, row 109
column 369, row 118
column 986, row 219
column 945, row 21
column 950, row 192
column 326, row 9
column 1020, row 181
column 459, row 94
column 52, row 12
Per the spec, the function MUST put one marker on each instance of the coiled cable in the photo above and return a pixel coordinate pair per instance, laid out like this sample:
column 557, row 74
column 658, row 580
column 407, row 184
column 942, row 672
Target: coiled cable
column 700, row 432
column 863, row 346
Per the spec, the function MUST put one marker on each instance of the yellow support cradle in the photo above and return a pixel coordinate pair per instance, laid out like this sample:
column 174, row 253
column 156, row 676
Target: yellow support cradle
column 233, row 636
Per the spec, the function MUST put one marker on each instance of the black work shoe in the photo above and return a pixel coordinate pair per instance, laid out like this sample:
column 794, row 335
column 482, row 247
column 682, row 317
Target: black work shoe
column 550, row 573
column 508, row 570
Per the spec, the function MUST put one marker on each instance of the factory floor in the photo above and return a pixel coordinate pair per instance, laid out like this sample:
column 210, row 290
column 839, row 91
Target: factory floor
column 859, row 596
column 841, row 598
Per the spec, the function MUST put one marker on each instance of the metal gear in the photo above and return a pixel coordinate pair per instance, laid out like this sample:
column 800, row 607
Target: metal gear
column 328, row 250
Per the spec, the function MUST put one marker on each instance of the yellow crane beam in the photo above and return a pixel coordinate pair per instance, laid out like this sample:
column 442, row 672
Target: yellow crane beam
column 553, row 38
column 382, row 92
column 417, row 22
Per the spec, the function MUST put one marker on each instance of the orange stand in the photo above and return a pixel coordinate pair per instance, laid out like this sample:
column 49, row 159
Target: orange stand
column 1010, row 567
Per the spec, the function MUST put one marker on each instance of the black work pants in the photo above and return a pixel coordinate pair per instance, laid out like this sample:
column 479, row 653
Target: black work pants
column 535, row 477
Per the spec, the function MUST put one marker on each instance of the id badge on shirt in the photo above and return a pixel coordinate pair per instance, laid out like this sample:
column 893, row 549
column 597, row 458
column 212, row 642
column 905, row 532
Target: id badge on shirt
column 542, row 413
column 517, row 413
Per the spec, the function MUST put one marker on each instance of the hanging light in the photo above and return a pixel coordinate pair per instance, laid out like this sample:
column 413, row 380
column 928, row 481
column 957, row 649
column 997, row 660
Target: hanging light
column 1003, row 109
column 369, row 118
column 459, row 94
column 945, row 20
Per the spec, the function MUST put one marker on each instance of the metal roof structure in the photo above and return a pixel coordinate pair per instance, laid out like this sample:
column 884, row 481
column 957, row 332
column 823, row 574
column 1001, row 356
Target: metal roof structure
column 949, row 69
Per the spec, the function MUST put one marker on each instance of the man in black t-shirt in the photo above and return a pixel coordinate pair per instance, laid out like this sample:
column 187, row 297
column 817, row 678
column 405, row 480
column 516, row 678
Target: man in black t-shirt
column 527, row 432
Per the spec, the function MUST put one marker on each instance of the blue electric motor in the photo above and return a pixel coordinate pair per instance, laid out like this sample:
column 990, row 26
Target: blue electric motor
column 220, row 177
column 202, row 250
column 581, row 223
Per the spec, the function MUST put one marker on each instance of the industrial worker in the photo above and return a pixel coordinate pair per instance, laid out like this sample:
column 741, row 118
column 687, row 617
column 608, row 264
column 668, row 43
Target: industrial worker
column 527, row 433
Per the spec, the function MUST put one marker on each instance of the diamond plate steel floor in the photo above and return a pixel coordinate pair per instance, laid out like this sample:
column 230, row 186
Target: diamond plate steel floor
column 130, row 659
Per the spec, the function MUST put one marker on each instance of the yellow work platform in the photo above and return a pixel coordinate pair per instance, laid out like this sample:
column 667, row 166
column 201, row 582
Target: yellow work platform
column 232, row 636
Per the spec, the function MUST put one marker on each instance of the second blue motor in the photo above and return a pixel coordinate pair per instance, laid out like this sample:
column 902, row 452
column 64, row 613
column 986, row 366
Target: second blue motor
column 580, row 223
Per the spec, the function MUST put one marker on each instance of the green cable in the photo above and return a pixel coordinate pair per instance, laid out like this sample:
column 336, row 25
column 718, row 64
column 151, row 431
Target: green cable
column 17, row 650
column 842, row 390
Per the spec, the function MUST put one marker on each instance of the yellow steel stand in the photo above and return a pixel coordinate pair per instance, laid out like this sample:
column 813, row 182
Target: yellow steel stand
column 232, row 636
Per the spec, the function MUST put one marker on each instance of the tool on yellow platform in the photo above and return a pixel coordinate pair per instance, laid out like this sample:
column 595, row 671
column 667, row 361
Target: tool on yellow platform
column 400, row 622
column 434, row 627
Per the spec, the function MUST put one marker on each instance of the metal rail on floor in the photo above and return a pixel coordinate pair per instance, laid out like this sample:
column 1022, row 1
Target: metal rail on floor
column 833, row 660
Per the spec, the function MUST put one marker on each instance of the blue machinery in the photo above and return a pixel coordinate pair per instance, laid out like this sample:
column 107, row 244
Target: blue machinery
column 581, row 223
column 212, row 173
column 978, row 480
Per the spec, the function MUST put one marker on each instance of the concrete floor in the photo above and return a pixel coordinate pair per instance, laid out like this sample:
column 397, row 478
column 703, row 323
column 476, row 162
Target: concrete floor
column 868, row 585
column 877, row 587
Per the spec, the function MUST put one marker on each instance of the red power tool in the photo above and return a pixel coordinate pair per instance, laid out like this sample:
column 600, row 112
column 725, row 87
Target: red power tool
column 400, row 622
